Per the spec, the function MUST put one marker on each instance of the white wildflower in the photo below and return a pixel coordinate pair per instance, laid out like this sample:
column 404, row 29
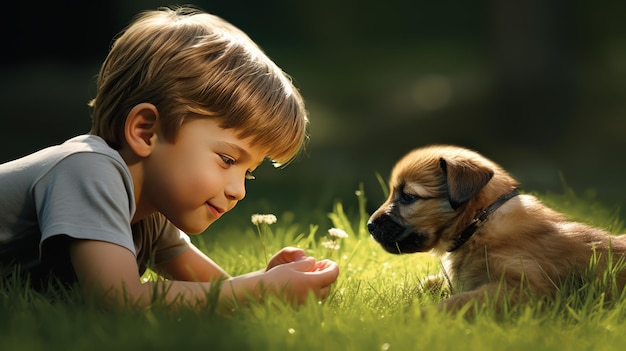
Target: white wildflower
column 337, row 233
column 331, row 245
column 257, row 220
column 263, row 218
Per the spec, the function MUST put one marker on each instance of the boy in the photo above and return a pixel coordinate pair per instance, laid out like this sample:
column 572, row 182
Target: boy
column 187, row 107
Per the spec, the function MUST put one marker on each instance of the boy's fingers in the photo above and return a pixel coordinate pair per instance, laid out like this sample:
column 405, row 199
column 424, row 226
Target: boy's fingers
column 305, row 264
column 290, row 254
column 323, row 264
column 295, row 254
column 326, row 274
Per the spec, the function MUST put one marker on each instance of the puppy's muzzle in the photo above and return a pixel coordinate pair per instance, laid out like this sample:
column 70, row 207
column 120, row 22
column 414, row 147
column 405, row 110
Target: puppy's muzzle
column 395, row 237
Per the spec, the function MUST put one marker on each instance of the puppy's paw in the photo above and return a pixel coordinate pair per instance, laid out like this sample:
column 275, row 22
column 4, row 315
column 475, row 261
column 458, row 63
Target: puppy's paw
column 435, row 285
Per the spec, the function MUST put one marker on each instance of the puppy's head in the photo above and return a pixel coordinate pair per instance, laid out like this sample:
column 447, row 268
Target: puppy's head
column 434, row 194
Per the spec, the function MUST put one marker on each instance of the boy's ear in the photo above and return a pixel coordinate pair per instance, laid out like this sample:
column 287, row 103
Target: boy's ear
column 141, row 128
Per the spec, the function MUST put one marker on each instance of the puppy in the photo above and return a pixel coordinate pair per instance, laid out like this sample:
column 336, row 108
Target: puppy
column 494, row 243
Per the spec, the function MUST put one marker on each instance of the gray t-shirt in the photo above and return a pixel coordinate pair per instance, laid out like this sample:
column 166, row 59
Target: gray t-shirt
column 81, row 189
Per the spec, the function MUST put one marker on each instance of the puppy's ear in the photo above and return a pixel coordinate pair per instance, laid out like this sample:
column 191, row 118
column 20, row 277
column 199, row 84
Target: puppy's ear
column 464, row 179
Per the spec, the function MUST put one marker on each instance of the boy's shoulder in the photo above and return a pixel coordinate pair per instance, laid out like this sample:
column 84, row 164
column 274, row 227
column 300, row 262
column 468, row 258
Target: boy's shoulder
column 82, row 156
column 86, row 143
column 50, row 156
column 86, row 155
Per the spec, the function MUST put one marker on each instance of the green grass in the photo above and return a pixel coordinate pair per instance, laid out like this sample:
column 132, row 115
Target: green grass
column 375, row 304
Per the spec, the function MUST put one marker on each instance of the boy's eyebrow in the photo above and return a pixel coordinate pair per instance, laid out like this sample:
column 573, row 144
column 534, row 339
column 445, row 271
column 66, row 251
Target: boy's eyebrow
column 241, row 151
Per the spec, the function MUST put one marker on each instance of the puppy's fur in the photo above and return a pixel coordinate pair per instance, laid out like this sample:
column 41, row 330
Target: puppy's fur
column 522, row 246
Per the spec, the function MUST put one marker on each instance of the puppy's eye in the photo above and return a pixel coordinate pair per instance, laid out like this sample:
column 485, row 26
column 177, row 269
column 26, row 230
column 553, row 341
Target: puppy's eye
column 407, row 199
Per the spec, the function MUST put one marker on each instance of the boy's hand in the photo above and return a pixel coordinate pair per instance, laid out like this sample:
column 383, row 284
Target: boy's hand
column 294, row 274
column 286, row 255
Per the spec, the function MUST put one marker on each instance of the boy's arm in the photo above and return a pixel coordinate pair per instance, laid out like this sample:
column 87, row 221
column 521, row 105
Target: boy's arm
column 110, row 272
column 192, row 265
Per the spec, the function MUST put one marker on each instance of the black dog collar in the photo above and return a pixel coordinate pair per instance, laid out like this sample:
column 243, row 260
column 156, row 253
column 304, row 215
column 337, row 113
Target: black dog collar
column 480, row 219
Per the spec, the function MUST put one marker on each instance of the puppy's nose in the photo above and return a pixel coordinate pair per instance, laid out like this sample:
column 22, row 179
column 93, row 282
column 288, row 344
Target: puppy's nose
column 371, row 226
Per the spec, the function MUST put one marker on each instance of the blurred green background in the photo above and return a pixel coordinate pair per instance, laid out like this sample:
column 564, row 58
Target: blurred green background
column 536, row 85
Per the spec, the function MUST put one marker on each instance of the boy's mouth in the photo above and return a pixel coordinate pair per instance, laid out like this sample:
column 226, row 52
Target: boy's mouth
column 218, row 211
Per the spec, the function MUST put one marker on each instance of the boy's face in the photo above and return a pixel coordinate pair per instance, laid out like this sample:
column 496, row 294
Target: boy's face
column 199, row 176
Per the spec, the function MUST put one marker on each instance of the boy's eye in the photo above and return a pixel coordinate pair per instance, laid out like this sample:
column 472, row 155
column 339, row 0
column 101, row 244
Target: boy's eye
column 227, row 160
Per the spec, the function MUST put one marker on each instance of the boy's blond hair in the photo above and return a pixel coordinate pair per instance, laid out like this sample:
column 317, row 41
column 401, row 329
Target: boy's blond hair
column 191, row 64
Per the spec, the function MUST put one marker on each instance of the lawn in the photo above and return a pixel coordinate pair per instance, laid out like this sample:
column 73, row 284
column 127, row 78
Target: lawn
column 375, row 304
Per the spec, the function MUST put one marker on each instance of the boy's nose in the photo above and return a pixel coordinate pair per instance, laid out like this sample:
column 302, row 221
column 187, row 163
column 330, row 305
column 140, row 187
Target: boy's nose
column 236, row 190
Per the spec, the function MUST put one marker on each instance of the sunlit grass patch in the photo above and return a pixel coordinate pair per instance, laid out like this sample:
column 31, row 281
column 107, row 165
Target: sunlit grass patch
column 375, row 304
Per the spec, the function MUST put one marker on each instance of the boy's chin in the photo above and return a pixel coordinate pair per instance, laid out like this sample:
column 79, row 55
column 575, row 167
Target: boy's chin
column 194, row 228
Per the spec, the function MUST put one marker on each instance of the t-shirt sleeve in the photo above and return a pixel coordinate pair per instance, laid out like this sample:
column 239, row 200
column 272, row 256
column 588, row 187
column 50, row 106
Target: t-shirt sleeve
column 157, row 240
column 172, row 242
column 86, row 196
